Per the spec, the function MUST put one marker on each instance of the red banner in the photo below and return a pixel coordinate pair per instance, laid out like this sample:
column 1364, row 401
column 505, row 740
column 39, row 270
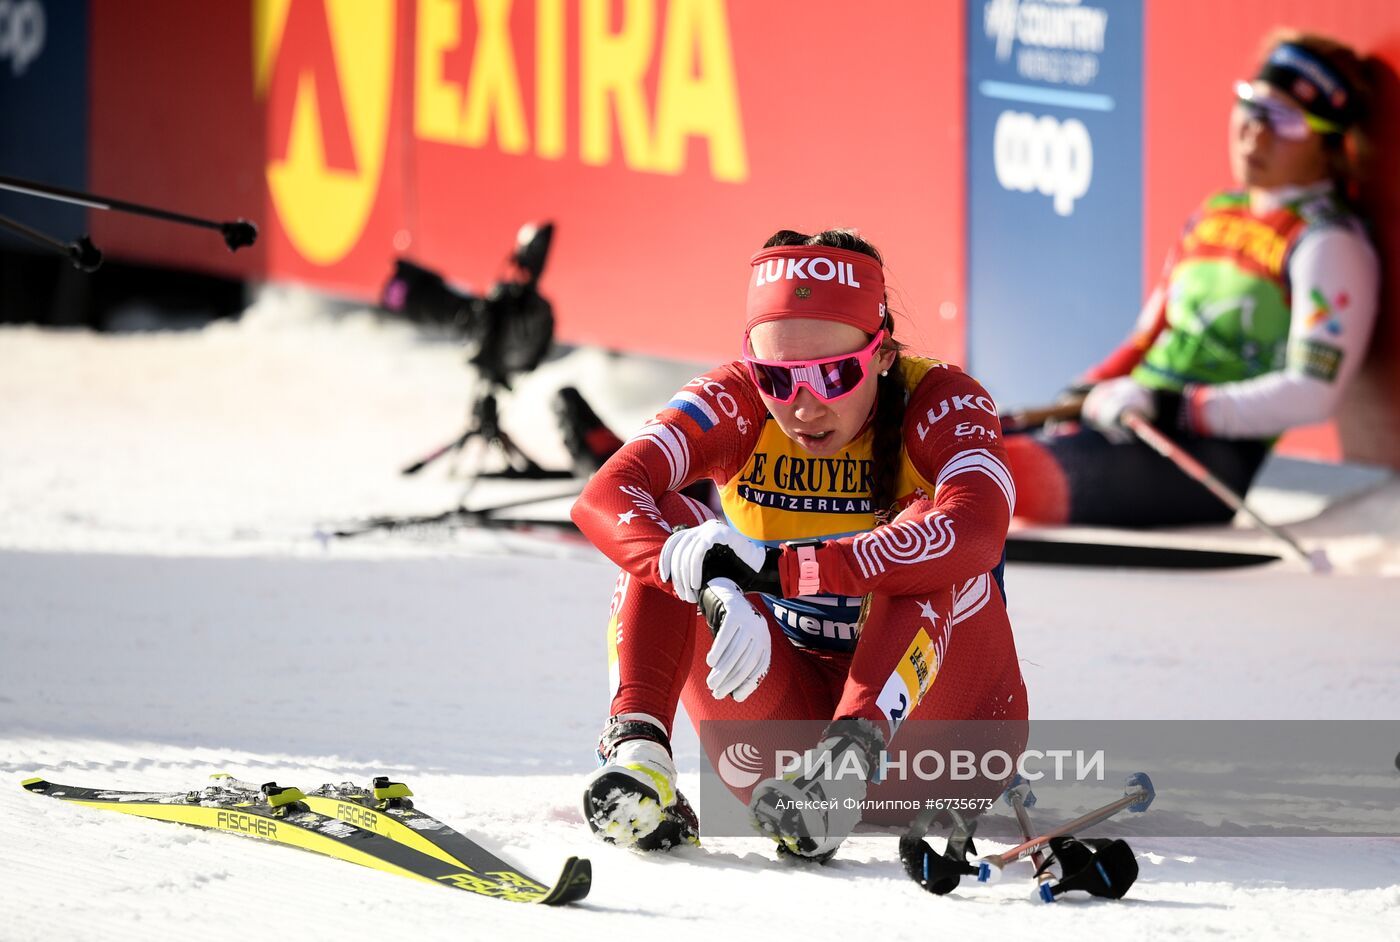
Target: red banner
column 666, row 138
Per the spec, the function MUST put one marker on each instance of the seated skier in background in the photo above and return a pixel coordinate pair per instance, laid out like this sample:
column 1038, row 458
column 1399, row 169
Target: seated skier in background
column 1261, row 319
column 857, row 570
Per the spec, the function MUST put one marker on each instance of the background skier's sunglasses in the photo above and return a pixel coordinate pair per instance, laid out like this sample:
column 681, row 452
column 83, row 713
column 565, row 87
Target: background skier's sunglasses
column 829, row 379
column 1286, row 120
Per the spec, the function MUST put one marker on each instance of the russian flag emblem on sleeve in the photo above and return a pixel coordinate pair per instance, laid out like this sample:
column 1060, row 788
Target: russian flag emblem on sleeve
column 695, row 407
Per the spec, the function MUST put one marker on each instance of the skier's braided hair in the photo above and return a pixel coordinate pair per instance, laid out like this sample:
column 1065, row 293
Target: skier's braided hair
column 887, row 448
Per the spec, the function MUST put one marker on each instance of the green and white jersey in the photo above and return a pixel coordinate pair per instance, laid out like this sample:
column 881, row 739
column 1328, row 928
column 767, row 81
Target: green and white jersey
column 1268, row 311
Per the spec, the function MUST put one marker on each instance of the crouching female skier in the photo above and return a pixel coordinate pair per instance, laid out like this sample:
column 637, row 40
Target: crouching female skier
column 856, row 578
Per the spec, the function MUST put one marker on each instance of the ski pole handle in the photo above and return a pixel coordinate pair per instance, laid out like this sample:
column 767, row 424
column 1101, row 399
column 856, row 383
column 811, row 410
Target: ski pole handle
column 710, row 604
column 1026, row 419
column 1017, row 797
column 712, row 608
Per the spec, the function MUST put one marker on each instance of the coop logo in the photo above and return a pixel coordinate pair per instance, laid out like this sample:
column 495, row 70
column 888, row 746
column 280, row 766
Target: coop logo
column 325, row 70
column 1044, row 155
column 740, row 765
column 22, row 29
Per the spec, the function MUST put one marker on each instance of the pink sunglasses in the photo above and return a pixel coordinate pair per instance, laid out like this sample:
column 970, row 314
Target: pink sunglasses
column 829, row 379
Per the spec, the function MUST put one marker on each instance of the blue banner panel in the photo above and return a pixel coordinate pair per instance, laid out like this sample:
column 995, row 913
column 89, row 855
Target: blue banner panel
column 1054, row 189
column 44, row 110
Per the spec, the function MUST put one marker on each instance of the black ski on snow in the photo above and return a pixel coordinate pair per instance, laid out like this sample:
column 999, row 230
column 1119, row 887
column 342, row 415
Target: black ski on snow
column 284, row 815
column 1026, row 549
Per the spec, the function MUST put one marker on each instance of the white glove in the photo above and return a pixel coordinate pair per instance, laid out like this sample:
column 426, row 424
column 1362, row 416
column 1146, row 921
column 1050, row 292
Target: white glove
column 683, row 555
column 742, row 649
column 1104, row 406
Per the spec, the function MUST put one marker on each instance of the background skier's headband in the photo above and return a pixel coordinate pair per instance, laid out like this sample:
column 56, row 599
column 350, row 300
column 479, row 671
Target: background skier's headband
column 1312, row 82
column 816, row 281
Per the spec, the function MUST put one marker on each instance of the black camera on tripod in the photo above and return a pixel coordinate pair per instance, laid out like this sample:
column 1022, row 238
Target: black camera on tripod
column 507, row 332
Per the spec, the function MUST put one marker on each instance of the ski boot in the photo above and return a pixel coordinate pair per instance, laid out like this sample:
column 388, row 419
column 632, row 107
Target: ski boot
column 810, row 810
column 632, row 800
column 587, row 439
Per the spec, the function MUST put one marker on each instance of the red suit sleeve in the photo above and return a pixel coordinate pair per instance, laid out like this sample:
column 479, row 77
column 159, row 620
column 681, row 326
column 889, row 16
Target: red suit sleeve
column 707, row 430
column 1129, row 354
column 953, row 437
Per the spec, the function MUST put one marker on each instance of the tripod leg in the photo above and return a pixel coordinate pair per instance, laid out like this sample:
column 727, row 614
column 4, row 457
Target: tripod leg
column 451, row 447
column 517, row 458
column 469, row 462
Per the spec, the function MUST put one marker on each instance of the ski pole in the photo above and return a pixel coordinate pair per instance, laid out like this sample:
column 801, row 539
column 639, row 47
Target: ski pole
column 1317, row 560
column 1136, row 799
column 237, row 234
column 1027, row 419
column 83, row 254
column 1098, row 867
column 1020, row 797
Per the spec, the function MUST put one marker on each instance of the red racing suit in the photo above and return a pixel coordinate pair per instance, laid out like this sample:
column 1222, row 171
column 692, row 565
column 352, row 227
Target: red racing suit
column 910, row 621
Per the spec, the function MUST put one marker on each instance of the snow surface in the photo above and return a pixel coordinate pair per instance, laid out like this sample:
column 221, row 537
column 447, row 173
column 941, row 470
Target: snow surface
column 166, row 611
